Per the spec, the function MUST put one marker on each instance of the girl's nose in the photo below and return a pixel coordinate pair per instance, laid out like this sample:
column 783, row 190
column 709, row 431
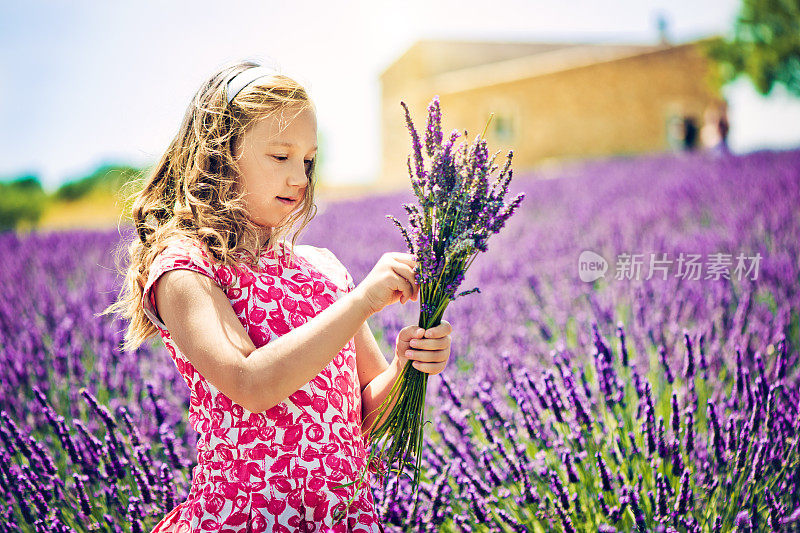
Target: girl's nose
column 298, row 176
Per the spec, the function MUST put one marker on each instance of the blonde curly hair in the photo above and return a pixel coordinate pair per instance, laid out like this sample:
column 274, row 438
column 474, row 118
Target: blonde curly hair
column 192, row 190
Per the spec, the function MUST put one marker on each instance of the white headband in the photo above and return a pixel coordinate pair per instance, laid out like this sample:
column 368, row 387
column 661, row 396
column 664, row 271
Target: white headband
column 245, row 78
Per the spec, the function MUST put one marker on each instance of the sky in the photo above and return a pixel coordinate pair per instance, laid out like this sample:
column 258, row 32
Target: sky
column 86, row 83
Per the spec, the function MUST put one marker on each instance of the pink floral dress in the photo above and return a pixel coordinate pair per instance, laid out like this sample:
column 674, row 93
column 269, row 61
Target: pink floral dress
column 274, row 470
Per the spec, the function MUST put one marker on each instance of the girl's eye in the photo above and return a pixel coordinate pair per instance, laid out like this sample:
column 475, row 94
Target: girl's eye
column 284, row 158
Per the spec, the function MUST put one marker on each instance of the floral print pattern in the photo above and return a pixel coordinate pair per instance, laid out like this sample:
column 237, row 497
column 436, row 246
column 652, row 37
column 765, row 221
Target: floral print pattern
column 275, row 470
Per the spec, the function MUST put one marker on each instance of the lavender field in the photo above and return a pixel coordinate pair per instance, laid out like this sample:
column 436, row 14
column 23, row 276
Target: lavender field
column 649, row 399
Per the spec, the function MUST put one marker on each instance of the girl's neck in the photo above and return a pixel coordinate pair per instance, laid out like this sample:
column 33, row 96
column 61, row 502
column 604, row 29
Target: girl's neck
column 258, row 248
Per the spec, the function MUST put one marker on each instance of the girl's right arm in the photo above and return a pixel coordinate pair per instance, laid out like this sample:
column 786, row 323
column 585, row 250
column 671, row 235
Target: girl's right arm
column 205, row 328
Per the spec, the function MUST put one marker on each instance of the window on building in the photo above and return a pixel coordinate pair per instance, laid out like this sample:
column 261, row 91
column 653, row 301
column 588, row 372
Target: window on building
column 503, row 126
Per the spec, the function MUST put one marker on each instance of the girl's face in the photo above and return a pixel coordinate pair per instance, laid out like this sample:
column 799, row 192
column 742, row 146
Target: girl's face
column 274, row 164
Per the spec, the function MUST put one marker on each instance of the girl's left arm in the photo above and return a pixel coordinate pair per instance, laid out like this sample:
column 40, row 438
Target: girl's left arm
column 429, row 353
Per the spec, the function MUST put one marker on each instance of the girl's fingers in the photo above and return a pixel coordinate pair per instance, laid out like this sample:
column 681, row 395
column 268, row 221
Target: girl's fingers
column 408, row 333
column 427, row 356
column 439, row 331
column 428, row 368
column 407, row 272
column 411, row 332
column 408, row 259
column 430, row 344
column 408, row 290
column 412, row 281
column 407, row 284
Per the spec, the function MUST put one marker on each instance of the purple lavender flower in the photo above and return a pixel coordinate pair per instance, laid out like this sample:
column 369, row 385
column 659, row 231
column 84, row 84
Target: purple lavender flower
column 572, row 476
column 133, row 432
column 488, row 463
column 649, row 430
column 774, row 518
column 478, row 505
column 688, row 371
column 662, row 357
column 433, row 134
column 780, row 364
column 676, row 416
column 755, row 417
column 689, row 432
column 168, row 440
column 774, row 390
column 421, row 175
column 747, row 390
column 558, row 489
column 744, row 444
column 515, row 524
column 702, row 355
column 510, row 463
column 662, row 497
column 135, row 514
column 633, row 501
column 632, row 440
column 621, row 447
column 59, row 426
column 758, row 461
column 743, row 522
column 605, row 477
column 793, row 518
column 662, row 441
column 603, row 505
column 566, row 522
column 623, row 349
column 677, row 460
column 83, row 499
column 581, row 414
column 719, row 443
column 159, row 413
column 16, row 485
column 682, row 502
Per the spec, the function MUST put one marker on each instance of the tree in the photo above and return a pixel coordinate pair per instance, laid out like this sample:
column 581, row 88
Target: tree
column 108, row 178
column 22, row 200
column 765, row 46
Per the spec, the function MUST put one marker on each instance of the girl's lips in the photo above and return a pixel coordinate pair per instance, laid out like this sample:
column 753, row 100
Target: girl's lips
column 287, row 202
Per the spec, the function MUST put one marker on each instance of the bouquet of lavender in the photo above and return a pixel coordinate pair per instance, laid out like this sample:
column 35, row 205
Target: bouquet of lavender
column 458, row 211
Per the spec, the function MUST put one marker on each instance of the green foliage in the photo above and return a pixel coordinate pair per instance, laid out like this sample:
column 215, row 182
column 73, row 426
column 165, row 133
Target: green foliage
column 765, row 46
column 28, row 183
column 108, row 178
column 21, row 200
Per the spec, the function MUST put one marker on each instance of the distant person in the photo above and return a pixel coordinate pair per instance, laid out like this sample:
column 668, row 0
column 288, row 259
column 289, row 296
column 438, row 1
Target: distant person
column 715, row 129
column 690, row 133
column 683, row 133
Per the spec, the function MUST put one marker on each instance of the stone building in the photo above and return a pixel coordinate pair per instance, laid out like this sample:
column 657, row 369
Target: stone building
column 551, row 101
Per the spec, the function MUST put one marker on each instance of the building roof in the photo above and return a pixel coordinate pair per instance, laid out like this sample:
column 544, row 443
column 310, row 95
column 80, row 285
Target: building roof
column 455, row 66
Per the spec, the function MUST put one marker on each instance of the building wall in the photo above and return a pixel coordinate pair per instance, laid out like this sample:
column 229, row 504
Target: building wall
column 614, row 107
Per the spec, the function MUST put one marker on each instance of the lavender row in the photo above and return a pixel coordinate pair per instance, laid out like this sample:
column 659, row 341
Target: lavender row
column 610, row 405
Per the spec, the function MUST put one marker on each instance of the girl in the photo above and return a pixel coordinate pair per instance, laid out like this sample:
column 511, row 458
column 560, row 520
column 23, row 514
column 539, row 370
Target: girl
column 270, row 337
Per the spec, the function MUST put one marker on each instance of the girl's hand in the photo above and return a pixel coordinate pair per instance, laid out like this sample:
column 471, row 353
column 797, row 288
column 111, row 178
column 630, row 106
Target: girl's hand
column 392, row 279
column 429, row 353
